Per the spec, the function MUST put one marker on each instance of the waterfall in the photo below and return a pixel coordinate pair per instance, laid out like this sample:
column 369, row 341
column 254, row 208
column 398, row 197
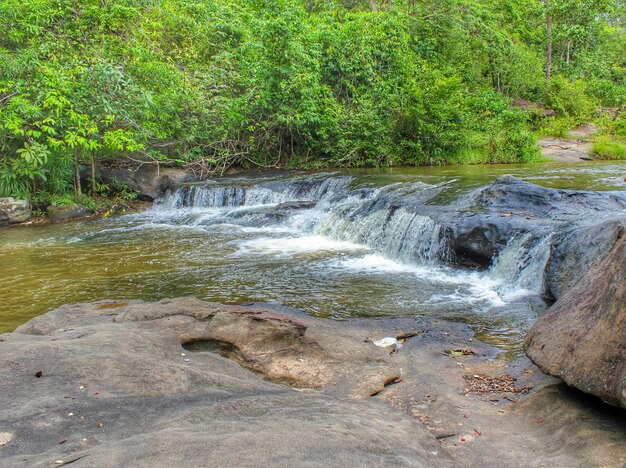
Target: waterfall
column 273, row 192
column 391, row 221
column 395, row 232
column 520, row 266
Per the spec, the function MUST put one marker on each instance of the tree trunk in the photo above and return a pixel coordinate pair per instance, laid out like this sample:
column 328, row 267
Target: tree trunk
column 77, row 190
column 373, row 5
column 34, row 193
column 549, row 48
column 569, row 42
column 93, row 176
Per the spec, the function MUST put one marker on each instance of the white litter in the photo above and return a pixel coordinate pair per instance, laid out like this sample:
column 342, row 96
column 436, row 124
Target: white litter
column 388, row 341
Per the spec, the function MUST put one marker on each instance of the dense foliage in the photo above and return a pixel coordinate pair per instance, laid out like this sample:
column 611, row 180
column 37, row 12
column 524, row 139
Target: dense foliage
column 305, row 83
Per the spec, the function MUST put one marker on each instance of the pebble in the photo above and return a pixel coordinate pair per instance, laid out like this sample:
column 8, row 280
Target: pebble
column 186, row 359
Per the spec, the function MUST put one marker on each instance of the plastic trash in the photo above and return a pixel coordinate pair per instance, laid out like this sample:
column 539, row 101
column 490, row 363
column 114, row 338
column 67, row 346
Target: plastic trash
column 388, row 341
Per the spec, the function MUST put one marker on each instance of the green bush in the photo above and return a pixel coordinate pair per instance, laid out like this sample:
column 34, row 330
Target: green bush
column 570, row 99
column 605, row 148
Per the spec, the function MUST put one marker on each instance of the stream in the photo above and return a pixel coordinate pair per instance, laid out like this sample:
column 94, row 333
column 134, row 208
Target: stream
column 344, row 244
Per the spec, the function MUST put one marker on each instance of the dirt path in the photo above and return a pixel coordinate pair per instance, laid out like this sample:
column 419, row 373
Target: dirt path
column 574, row 149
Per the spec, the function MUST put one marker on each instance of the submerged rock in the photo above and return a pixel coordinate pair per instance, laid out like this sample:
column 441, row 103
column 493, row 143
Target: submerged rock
column 13, row 211
column 582, row 338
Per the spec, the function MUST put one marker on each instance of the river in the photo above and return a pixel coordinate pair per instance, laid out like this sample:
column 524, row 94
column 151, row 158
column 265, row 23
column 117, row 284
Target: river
column 357, row 253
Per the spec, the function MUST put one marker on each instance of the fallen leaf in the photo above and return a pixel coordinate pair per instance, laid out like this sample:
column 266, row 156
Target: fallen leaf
column 539, row 420
column 62, row 441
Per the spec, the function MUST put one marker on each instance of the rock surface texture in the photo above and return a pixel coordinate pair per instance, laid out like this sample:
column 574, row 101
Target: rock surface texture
column 184, row 382
column 578, row 226
column 582, row 338
column 13, row 211
column 150, row 182
column 63, row 213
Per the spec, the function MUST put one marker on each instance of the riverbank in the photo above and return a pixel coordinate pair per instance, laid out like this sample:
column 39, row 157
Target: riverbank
column 434, row 283
column 130, row 188
column 181, row 381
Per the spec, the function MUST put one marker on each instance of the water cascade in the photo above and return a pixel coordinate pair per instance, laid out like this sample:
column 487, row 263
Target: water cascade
column 388, row 220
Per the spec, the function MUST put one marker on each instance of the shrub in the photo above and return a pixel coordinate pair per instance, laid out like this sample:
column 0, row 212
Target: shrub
column 606, row 148
column 570, row 99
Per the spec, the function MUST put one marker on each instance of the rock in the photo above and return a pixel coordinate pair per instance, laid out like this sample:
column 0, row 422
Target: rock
column 13, row 211
column 121, row 364
column 5, row 438
column 149, row 181
column 510, row 208
column 62, row 213
column 510, row 194
column 296, row 205
column 181, row 381
column 576, row 250
column 530, row 106
column 582, row 337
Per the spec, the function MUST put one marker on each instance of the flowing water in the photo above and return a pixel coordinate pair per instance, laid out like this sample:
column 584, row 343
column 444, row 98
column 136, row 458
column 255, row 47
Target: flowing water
column 358, row 248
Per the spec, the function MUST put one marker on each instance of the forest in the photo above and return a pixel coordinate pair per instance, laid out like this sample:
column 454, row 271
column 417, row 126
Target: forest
column 298, row 84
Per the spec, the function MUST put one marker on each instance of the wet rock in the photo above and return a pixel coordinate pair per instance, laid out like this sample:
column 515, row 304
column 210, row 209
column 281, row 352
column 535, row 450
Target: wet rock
column 13, row 211
column 62, row 213
column 582, row 337
column 511, row 208
column 296, row 205
column 509, row 194
column 149, row 181
column 576, row 250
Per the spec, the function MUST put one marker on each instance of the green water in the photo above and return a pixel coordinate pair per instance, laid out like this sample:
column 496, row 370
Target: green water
column 158, row 254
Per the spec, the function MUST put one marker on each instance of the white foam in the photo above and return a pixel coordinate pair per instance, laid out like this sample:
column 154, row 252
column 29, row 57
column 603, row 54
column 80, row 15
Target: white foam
column 472, row 287
column 292, row 246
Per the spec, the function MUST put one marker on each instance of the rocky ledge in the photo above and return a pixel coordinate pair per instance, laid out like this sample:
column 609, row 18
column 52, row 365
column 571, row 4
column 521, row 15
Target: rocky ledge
column 184, row 382
column 13, row 211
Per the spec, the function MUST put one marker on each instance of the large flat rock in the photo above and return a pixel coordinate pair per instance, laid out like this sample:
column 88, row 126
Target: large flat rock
column 184, row 382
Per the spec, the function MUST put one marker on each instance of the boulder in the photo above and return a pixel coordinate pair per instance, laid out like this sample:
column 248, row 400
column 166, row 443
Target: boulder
column 490, row 217
column 149, row 181
column 576, row 250
column 582, row 337
column 296, row 205
column 58, row 213
column 13, row 211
